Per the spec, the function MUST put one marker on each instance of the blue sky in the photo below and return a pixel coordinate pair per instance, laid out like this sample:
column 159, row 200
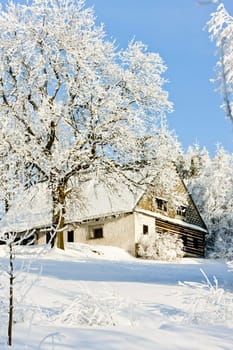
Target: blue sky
column 175, row 29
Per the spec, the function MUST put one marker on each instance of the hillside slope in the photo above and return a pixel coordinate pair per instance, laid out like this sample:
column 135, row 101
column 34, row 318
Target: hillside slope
column 101, row 297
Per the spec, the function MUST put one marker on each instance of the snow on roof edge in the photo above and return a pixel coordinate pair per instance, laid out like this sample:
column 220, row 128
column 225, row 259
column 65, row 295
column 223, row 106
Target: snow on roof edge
column 171, row 220
column 101, row 216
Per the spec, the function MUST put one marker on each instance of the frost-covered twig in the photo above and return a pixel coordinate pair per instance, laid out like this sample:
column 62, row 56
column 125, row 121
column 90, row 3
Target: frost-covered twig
column 209, row 303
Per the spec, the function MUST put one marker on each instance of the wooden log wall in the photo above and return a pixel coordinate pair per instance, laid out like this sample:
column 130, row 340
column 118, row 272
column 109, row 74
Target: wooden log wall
column 193, row 240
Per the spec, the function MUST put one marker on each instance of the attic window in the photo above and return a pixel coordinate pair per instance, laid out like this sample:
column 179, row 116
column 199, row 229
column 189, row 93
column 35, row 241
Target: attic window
column 181, row 211
column 161, row 204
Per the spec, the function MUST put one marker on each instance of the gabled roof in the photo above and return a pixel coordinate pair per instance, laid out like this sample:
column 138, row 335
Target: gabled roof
column 100, row 200
column 33, row 208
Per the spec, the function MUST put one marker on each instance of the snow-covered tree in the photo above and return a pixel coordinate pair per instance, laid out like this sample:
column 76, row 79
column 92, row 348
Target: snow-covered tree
column 70, row 103
column 221, row 31
column 190, row 163
column 12, row 175
column 211, row 189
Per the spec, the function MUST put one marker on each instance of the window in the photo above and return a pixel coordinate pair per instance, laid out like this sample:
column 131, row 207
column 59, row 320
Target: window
column 48, row 237
column 181, row 211
column 161, row 204
column 185, row 240
column 145, row 229
column 29, row 240
column 195, row 243
column 70, row 236
column 96, row 232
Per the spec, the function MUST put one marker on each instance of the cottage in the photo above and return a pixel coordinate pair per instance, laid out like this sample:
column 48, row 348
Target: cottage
column 117, row 217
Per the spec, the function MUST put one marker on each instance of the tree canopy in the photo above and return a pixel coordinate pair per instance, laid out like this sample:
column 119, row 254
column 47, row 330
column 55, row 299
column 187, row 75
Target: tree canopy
column 221, row 31
column 70, row 102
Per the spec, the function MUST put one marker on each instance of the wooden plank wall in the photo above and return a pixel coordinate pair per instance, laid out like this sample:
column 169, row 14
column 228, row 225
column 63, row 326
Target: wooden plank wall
column 193, row 240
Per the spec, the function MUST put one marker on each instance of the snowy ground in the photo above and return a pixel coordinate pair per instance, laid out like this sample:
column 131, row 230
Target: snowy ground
column 102, row 298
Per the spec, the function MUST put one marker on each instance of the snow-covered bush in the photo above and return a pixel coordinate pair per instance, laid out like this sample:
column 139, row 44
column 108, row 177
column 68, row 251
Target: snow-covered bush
column 89, row 310
column 163, row 246
column 106, row 309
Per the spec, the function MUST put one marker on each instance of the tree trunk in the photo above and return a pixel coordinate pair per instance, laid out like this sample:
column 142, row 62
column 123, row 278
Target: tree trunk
column 11, row 274
column 58, row 197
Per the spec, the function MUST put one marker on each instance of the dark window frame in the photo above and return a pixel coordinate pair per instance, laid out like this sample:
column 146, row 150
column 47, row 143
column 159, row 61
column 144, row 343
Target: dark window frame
column 195, row 243
column 185, row 240
column 70, row 236
column 48, row 237
column 161, row 204
column 96, row 232
column 145, row 229
column 181, row 210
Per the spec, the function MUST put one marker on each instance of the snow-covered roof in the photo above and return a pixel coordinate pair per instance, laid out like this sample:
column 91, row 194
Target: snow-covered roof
column 100, row 200
column 91, row 199
column 33, row 208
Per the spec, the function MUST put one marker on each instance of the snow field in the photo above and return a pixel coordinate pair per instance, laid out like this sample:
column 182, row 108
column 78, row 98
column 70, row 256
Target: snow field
column 94, row 297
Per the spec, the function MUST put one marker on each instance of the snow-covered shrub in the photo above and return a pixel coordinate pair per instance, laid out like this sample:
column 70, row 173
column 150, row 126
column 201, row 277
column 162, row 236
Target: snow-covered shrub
column 163, row 246
column 106, row 309
column 89, row 310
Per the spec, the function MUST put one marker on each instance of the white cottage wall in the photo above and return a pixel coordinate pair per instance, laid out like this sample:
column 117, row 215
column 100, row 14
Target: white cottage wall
column 144, row 224
column 118, row 232
column 41, row 237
